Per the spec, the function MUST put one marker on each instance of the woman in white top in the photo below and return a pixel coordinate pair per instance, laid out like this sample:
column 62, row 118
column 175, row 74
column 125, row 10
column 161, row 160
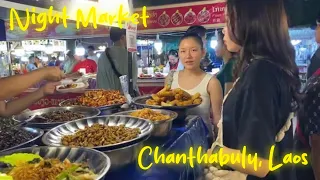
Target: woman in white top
column 194, row 80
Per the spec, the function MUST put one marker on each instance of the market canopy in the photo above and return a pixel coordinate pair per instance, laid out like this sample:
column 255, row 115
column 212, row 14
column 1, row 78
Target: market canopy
column 301, row 12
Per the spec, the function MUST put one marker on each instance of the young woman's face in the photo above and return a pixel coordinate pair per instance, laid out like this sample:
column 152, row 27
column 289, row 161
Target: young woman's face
column 173, row 59
column 190, row 53
column 231, row 46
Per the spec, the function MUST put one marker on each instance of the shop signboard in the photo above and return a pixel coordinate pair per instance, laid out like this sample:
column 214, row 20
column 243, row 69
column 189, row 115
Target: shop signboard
column 179, row 17
column 54, row 31
column 131, row 34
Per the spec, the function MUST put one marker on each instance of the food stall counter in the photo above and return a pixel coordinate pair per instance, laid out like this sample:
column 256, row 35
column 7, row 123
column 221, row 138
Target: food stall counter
column 150, row 85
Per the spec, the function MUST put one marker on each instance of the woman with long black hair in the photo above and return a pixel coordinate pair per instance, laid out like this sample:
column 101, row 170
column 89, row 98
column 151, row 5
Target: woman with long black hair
column 258, row 110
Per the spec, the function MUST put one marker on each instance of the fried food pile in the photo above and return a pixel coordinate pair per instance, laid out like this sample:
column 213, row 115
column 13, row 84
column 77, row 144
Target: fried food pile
column 174, row 97
column 100, row 135
column 98, row 98
column 150, row 114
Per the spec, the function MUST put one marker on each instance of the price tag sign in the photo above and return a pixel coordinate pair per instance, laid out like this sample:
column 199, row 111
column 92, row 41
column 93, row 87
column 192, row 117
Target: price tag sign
column 131, row 37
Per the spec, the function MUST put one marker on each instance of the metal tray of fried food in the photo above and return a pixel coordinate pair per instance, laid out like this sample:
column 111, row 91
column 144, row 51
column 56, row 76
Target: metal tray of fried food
column 37, row 134
column 70, row 102
column 97, row 161
column 29, row 116
column 54, row 136
column 161, row 127
column 141, row 101
column 173, row 115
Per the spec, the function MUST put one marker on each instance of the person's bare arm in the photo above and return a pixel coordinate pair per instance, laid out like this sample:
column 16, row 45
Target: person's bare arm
column 227, row 87
column 315, row 149
column 18, row 105
column 215, row 91
column 14, row 85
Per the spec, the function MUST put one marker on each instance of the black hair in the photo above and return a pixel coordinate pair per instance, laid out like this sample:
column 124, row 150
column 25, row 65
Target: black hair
column 194, row 36
column 318, row 18
column 70, row 53
column 173, row 52
column 261, row 29
column 200, row 30
column 91, row 47
column 116, row 33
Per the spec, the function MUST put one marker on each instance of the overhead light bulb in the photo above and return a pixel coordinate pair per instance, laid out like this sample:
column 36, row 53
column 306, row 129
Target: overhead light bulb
column 158, row 45
column 213, row 44
column 80, row 50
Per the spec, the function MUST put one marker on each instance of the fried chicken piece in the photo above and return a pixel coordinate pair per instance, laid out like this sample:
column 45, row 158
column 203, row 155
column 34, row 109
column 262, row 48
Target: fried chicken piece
column 197, row 101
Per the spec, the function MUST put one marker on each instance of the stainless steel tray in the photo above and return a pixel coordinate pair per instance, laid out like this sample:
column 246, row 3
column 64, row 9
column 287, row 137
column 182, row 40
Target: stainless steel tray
column 53, row 137
column 37, row 132
column 97, row 161
column 141, row 101
column 30, row 115
column 161, row 128
column 172, row 114
column 62, row 104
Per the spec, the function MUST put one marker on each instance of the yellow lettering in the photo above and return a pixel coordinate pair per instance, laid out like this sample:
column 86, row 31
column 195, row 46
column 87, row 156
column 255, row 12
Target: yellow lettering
column 287, row 159
column 223, row 158
column 271, row 167
column 85, row 23
column 111, row 19
column 170, row 158
column 296, row 159
column 33, row 16
column 191, row 157
column 121, row 16
column 144, row 16
column 181, row 156
column 201, row 158
column 213, row 159
column 56, row 16
column 42, row 18
column 13, row 13
column 141, row 155
column 253, row 161
column 304, row 159
column 64, row 17
column 157, row 158
column 134, row 18
column 234, row 159
column 243, row 157
column 103, row 18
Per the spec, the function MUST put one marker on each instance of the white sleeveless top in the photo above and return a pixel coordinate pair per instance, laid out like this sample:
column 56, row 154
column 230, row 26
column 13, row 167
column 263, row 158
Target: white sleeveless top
column 204, row 108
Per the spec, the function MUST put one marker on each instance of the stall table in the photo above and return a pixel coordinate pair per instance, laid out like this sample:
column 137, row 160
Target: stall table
column 193, row 134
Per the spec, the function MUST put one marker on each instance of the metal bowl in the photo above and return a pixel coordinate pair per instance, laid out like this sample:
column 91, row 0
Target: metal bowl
column 101, row 108
column 37, row 132
column 161, row 128
column 54, row 136
column 97, row 161
column 141, row 101
column 123, row 156
column 28, row 117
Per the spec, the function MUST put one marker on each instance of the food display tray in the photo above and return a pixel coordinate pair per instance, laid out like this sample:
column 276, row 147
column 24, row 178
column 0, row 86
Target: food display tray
column 101, row 108
column 54, row 136
column 161, row 127
column 37, row 132
column 27, row 117
column 97, row 161
column 141, row 101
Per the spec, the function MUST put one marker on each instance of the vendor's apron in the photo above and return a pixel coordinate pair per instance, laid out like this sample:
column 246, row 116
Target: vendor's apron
column 219, row 140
